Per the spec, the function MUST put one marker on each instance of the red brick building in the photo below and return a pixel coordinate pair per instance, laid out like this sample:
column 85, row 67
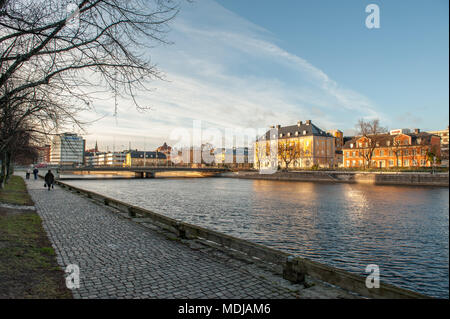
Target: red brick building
column 43, row 154
column 396, row 149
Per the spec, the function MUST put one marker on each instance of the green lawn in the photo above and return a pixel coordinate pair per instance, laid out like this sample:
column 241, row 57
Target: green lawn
column 15, row 192
column 28, row 267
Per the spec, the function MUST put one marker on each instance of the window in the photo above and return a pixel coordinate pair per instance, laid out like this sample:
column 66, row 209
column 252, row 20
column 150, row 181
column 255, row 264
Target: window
column 381, row 153
column 422, row 162
column 353, row 154
column 391, row 163
column 304, row 132
column 406, row 153
column 360, row 163
column 351, row 145
column 388, row 143
column 353, row 163
column 414, row 162
column 348, row 163
column 391, row 153
column 406, row 163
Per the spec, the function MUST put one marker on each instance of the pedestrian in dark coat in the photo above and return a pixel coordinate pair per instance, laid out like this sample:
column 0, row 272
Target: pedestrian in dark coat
column 49, row 179
column 35, row 172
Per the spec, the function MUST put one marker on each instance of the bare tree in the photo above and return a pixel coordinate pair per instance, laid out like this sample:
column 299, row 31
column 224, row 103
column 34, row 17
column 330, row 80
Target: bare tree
column 288, row 152
column 397, row 150
column 56, row 56
column 371, row 131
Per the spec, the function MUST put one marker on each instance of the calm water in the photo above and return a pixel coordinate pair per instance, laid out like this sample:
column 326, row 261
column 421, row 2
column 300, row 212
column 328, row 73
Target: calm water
column 404, row 230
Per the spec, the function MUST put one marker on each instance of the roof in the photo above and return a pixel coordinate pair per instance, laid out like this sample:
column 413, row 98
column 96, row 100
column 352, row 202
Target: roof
column 421, row 138
column 301, row 129
column 148, row 154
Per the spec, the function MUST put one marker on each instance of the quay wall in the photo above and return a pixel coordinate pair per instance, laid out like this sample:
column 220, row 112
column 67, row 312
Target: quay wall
column 414, row 179
column 293, row 268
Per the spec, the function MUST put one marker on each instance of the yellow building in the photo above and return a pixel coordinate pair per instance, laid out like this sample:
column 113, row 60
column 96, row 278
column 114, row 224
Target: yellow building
column 338, row 144
column 138, row 158
column 297, row 146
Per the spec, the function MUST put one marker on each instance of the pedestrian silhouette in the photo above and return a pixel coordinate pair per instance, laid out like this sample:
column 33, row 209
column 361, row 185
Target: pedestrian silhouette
column 35, row 172
column 49, row 179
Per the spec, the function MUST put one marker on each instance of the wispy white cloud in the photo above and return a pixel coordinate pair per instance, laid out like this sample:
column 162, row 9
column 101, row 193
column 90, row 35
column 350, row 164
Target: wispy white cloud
column 228, row 72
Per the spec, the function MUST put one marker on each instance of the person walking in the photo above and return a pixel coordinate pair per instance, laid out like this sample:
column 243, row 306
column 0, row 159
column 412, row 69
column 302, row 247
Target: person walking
column 35, row 172
column 28, row 173
column 49, row 179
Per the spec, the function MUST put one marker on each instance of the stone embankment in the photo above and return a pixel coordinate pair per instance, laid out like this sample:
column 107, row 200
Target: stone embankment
column 381, row 178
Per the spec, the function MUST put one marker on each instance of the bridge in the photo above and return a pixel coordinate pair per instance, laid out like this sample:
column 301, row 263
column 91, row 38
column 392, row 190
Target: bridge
column 141, row 171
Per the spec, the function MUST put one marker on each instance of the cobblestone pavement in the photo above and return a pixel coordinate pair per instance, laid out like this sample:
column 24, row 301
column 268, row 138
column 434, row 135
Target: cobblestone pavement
column 119, row 258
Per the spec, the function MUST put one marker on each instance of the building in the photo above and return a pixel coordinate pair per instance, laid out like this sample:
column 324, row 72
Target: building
column 147, row 158
column 115, row 158
column 67, row 149
column 443, row 134
column 399, row 148
column 93, row 150
column 299, row 146
column 43, row 154
column 89, row 158
column 238, row 157
column 165, row 149
column 338, row 144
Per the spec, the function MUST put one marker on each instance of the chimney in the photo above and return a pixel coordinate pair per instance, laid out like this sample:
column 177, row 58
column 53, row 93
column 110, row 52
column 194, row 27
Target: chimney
column 308, row 122
column 416, row 130
column 272, row 126
column 299, row 123
column 278, row 126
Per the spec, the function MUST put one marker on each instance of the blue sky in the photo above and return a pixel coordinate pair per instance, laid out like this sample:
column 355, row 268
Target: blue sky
column 251, row 63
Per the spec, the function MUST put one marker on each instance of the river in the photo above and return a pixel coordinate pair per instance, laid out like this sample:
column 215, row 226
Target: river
column 402, row 229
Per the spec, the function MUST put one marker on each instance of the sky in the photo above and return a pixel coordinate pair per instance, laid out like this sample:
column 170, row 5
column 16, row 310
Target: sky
column 251, row 64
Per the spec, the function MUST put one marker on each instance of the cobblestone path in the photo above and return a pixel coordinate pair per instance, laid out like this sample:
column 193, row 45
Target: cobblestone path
column 119, row 258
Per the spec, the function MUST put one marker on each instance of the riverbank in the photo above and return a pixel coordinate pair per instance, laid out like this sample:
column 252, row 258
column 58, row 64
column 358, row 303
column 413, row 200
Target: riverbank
column 28, row 267
column 290, row 267
column 120, row 256
column 376, row 178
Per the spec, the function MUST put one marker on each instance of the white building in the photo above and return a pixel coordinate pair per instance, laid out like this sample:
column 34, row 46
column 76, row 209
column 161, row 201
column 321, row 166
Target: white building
column 115, row 159
column 67, row 149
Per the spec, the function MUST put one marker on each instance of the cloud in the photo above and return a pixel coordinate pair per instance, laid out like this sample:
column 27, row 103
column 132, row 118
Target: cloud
column 228, row 72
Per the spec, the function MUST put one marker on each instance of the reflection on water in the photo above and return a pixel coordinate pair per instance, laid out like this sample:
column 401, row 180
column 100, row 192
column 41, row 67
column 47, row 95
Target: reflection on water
column 404, row 230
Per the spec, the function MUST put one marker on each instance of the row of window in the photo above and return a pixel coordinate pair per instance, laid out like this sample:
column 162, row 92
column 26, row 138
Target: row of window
column 391, row 163
column 388, row 143
column 381, row 153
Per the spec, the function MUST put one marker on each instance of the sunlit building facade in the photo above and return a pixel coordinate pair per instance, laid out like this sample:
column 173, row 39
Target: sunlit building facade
column 399, row 148
column 299, row 146
column 67, row 149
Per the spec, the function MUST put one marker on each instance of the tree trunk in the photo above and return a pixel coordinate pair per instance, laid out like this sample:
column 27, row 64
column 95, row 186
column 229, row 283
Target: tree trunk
column 9, row 168
column 3, row 170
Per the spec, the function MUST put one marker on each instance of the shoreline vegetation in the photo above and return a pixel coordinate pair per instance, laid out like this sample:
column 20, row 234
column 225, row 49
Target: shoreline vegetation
column 28, row 266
